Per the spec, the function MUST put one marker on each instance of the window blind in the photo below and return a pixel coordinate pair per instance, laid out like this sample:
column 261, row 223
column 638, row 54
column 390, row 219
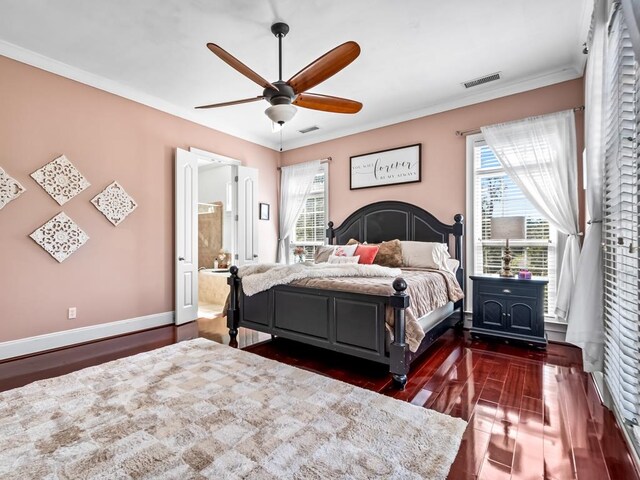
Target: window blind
column 496, row 195
column 620, row 223
column 310, row 229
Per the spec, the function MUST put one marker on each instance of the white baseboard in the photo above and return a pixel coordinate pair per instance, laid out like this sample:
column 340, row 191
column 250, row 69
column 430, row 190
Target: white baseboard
column 51, row 341
column 556, row 331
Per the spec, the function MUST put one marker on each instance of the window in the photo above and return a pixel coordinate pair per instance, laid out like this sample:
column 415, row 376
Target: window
column 311, row 227
column 620, row 224
column 494, row 194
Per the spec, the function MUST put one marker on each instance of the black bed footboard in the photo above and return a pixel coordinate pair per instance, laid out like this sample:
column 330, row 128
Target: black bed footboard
column 345, row 322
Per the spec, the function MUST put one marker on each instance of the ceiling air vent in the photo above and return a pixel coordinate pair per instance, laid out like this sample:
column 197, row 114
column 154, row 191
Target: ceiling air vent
column 309, row 129
column 479, row 81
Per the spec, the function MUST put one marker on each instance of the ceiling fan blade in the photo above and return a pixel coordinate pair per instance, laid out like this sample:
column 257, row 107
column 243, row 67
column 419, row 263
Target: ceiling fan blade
column 324, row 67
column 235, row 102
column 239, row 66
column 327, row 103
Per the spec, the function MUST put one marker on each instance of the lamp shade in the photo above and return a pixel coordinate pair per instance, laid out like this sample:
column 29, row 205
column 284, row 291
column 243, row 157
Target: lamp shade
column 280, row 113
column 507, row 228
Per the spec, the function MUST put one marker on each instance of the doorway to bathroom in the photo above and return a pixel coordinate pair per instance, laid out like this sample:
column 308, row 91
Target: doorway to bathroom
column 215, row 226
column 216, row 234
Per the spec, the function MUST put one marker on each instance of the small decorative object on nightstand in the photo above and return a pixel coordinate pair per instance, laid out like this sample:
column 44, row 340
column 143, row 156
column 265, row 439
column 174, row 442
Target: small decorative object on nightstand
column 507, row 228
column 509, row 308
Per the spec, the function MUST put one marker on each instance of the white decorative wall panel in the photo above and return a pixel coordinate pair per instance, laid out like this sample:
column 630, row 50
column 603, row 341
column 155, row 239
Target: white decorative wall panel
column 10, row 188
column 60, row 237
column 114, row 203
column 60, row 179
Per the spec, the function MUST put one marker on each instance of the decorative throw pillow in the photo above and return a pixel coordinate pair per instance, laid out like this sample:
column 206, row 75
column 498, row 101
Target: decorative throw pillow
column 345, row 250
column 367, row 253
column 343, row 259
column 389, row 255
column 323, row 252
column 425, row 255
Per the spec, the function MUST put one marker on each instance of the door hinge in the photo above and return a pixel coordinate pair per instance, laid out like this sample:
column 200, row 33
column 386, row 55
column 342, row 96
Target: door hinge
column 236, row 256
column 235, row 178
column 236, row 218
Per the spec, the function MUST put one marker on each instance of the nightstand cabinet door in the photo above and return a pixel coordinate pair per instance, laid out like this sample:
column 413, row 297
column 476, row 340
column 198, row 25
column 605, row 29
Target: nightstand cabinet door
column 492, row 312
column 521, row 316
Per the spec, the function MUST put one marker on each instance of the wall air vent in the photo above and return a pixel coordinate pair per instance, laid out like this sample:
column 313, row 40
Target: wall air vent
column 479, row 81
column 309, row 129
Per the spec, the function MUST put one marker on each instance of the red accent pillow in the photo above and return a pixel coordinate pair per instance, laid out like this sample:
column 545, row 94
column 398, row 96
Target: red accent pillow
column 367, row 253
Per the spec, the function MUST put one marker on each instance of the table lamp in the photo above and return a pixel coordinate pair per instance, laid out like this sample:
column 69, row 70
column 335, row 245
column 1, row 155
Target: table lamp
column 507, row 228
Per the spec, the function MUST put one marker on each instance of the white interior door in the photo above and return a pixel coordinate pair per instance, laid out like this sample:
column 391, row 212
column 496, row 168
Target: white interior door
column 247, row 215
column 186, row 259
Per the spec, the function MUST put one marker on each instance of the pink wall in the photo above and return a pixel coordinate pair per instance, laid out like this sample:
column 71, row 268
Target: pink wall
column 127, row 271
column 442, row 190
column 121, row 272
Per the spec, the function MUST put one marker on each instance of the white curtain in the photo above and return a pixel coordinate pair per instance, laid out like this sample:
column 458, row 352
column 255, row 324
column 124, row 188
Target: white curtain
column 539, row 155
column 295, row 184
column 586, row 323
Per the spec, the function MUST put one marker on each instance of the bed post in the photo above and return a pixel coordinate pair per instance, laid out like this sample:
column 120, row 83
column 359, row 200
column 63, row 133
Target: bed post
column 397, row 350
column 458, row 232
column 232, row 313
column 330, row 234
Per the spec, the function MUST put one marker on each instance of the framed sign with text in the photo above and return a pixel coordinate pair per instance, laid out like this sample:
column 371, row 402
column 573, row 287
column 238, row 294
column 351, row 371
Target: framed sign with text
column 387, row 167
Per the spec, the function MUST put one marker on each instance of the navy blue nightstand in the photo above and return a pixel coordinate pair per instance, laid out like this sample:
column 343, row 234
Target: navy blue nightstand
column 509, row 308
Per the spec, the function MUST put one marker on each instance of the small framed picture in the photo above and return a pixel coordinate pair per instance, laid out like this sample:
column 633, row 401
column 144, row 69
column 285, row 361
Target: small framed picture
column 264, row 211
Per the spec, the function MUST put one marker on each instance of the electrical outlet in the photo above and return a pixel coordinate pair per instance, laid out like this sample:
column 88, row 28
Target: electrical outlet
column 72, row 313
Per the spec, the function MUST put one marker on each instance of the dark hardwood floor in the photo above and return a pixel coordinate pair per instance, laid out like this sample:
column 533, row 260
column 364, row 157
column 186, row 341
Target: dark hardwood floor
column 531, row 414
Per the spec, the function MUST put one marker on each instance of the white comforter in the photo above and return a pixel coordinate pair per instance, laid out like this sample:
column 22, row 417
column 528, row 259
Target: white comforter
column 260, row 277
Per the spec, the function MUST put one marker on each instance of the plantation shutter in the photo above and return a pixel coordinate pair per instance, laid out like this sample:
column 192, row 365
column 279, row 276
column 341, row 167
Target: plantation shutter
column 620, row 224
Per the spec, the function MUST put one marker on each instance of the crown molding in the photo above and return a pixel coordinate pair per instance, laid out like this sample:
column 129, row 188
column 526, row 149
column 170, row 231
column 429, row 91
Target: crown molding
column 42, row 62
column 503, row 90
column 65, row 70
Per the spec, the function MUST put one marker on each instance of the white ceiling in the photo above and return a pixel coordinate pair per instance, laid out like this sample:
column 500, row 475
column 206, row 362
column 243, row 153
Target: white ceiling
column 415, row 53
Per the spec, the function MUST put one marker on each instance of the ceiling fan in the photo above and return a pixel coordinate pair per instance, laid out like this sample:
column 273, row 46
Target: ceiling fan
column 284, row 95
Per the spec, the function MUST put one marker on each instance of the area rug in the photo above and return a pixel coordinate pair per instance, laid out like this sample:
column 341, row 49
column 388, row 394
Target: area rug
column 199, row 409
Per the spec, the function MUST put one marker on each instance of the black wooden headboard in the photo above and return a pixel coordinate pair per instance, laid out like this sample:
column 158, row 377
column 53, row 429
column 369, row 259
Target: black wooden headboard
column 388, row 220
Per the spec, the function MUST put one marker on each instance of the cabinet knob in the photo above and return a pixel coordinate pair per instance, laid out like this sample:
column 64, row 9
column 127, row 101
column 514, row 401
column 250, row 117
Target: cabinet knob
column 506, row 290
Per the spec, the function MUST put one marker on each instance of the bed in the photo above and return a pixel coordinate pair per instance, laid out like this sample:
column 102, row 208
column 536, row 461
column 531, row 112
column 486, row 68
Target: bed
column 356, row 323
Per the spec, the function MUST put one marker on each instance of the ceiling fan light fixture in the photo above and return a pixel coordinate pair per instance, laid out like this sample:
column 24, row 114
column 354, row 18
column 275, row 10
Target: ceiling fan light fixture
column 281, row 114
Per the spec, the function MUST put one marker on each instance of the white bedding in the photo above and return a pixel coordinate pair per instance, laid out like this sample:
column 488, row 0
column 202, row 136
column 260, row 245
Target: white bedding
column 260, row 277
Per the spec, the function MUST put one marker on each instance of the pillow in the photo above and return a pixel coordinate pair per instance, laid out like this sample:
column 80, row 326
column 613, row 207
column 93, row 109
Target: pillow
column 345, row 250
column 425, row 255
column 367, row 253
column 452, row 265
column 343, row 259
column 389, row 254
column 323, row 252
